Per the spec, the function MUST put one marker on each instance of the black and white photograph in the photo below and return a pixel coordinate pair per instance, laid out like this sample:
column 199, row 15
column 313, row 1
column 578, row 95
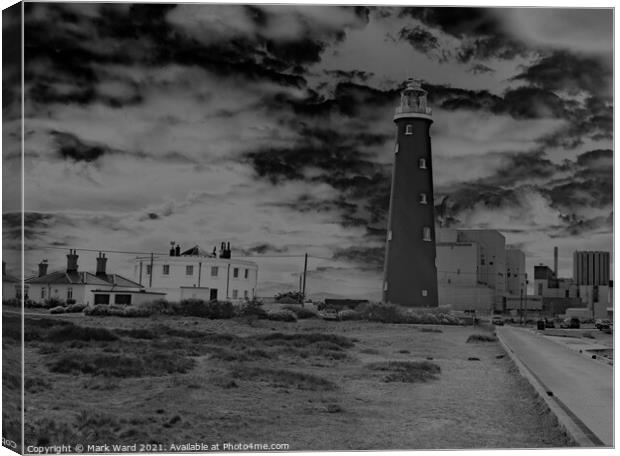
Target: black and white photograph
column 296, row 227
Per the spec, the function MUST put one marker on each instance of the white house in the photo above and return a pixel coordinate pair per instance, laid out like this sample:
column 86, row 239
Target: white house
column 71, row 284
column 196, row 273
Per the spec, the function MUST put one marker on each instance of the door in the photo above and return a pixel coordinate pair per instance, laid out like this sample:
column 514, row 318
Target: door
column 213, row 294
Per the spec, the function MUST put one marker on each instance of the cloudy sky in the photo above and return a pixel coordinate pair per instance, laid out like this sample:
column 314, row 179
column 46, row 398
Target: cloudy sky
column 271, row 127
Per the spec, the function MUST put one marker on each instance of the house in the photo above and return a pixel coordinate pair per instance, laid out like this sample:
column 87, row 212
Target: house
column 197, row 274
column 72, row 285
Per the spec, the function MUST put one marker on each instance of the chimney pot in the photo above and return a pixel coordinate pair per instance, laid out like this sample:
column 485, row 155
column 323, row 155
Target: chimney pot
column 101, row 265
column 72, row 265
column 43, row 268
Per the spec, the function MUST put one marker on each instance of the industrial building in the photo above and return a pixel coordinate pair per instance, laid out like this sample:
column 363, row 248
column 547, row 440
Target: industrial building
column 410, row 274
column 72, row 285
column 198, row 274
column 591, row 268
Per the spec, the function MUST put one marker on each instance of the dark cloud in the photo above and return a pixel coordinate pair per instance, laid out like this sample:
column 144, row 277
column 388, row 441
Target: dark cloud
column 420, row 38
column 532, row 103
column 70, row 147
column 262, row 249
column 479, row 68
column 367, row 257
column 570, row 72
column 482, row 35
column 35, row 225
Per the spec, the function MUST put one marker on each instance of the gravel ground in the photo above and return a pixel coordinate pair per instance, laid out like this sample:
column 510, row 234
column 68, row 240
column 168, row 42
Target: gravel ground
column 481, row 403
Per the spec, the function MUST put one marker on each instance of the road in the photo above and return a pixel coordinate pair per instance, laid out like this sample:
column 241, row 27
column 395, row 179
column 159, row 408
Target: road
column 582, row 385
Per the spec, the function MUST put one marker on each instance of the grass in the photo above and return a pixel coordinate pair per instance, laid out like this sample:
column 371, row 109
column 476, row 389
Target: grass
column 83, row 333
column 407, row 371
column 302, row 340
column 283, row 378
column 121, row 365
column 481, row 338
column 431, row 330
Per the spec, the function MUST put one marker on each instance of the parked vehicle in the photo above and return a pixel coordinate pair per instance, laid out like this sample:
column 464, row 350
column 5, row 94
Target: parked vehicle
column 570, row 323
column 499, row 321
column 329, row 314
column 602, row 324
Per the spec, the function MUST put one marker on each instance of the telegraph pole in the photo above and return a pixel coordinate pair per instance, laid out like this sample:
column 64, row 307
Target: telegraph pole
column 151, row 274
column 303, row 291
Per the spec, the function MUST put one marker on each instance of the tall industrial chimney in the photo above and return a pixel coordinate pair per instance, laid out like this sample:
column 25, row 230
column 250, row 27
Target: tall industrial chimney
column 555, row 261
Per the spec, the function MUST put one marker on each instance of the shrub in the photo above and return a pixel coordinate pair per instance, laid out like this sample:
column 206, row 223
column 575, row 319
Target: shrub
column 84, row 333
column 252, row 308
column 12, row 302
column 210, row 309
column 289, row 297
column 70, row 301
column 148, row 364
column 407, row 371
column 57, row 310
column 382, row 313
column 74, row 308
column 282, row 377
column 53, row 302
column 349, row 314
column 281, row 315
column 303, row 340
column 480, row 338
column 301, row 312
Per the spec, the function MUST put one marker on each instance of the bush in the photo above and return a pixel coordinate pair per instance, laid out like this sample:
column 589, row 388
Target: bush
column 289, row 297
column 349, row 314
column 301, row 312
column 152, row 363
column 53, row 302
column 480, row 338
column 57, row 310
column 74, row 308
column 252, row 308
column 281, row 315
column 407, row 371
column 70, row 301
column 203, row 309
column 84, row 333
column 12, row 302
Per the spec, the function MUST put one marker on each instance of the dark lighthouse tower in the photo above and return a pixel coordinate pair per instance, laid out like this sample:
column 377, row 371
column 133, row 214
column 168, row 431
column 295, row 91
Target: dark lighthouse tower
column 410, row 271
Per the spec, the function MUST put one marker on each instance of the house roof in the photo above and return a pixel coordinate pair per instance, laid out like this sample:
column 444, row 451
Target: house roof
column 196, row 251
column 83, row 278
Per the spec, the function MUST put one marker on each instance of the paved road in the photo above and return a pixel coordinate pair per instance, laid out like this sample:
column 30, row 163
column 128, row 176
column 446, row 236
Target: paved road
column 583, row 385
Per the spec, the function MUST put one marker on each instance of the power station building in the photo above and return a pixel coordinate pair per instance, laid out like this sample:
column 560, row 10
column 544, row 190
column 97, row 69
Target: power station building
column 410, row 273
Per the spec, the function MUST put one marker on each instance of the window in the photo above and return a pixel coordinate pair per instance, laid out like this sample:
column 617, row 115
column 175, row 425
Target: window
column 148, row 269
column 566, row 293
column 422, row 163
column 102, row 299
column 166, row 269
column 390, row 235
column 235, row 294
column 189, row 270
column 42, row 292
column 409, row 129
column 236, row 272
column 396, row 148
column 69, row 293
column 423, row 198
column 245, row 294
column 213, row 271
column 540, row 289
column 426, row 233
column 424, row 292
column 246, row 273
column 385, row 285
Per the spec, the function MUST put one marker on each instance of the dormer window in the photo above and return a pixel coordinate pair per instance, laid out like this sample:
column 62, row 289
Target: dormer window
column 422, row 163
column 408, row 129
column 423, row 198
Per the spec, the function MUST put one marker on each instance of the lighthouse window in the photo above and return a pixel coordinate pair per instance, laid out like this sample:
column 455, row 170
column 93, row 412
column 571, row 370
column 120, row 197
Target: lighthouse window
column 385, row 286
column 390, row 235
column 423, row 198
column 426, row 233
column 424, row 292
column 396, row 148
column 409, row 129
column 422, row 163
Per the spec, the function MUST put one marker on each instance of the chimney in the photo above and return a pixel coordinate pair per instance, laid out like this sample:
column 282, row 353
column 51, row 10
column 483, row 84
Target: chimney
column 43, row 268
column 101, row 263
column 555, row 261
column 177, row 250
column 172, row 248
column 72, row 258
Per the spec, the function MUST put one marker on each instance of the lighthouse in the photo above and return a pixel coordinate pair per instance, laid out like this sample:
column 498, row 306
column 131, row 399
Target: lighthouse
column 410, row 274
